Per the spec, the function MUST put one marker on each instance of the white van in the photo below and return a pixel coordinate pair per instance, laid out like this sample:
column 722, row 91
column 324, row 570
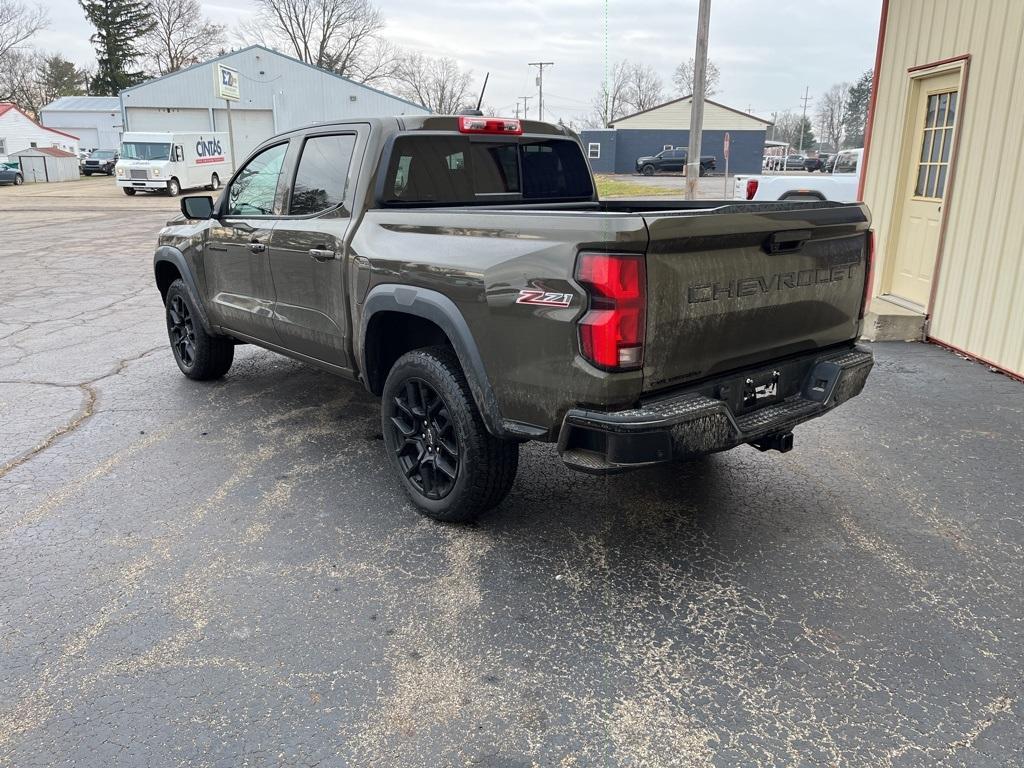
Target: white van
column 171, row 162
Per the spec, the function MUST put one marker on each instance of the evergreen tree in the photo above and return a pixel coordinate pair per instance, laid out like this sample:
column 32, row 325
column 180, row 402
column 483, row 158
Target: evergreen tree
column 119, row 25
column 59, row 77
column 855, row 117
column 809, row 141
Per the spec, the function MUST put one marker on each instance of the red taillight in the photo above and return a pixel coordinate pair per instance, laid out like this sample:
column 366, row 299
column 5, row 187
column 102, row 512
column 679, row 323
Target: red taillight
column 612, row 331
column 751, row 188
column 502, row 125
column 869, row 273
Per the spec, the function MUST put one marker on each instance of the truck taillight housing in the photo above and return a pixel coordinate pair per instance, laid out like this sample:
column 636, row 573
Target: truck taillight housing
column 612, row 330
column 869, row 273
column 751, row 188
column 499, row 125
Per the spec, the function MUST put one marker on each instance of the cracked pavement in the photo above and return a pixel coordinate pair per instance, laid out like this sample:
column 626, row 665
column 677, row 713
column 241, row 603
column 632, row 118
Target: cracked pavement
column 226, row 574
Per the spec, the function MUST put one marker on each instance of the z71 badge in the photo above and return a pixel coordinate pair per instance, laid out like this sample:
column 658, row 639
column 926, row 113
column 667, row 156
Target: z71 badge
column 544, row 298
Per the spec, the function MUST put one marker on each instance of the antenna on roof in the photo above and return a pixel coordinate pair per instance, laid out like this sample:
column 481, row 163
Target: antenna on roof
column 484, row 88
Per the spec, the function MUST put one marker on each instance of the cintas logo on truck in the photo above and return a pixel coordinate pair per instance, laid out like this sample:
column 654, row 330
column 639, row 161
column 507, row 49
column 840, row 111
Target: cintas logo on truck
column 209, row 151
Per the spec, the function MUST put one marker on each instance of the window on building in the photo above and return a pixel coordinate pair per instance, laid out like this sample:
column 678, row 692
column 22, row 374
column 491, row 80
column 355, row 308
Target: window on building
column 3, row 146
column 32, row 144
column 933, row 164
column 594, row 150
column 322, row 177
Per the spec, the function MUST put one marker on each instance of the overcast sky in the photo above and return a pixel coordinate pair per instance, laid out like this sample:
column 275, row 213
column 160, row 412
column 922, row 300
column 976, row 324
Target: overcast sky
column 767, row 50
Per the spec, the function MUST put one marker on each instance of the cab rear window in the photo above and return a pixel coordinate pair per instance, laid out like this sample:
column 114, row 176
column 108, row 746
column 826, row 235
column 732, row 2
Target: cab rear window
column 462, row 170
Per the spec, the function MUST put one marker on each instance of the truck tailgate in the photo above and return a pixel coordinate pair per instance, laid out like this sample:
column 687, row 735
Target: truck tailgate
column 735, row 287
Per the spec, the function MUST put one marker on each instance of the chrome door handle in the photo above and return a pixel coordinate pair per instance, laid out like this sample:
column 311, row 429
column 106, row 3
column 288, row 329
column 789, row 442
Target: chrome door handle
column 257, row 247
column 322, row 254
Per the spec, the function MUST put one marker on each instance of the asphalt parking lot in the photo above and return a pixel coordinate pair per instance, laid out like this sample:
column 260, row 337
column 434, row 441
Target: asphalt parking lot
column 226, row 574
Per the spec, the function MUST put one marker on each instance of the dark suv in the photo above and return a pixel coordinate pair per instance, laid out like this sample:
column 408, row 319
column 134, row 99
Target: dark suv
column 672, row 160
column 100, row 161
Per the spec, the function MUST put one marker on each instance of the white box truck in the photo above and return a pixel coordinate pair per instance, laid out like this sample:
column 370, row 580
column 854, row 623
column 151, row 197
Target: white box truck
column 171, row 162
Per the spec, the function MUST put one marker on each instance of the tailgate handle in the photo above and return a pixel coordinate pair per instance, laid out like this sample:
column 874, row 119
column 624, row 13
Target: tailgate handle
column 787, row 242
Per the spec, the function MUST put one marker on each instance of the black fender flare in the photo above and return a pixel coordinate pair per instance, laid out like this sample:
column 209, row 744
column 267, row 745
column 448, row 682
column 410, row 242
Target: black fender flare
column 171, row 255
column 442, row 311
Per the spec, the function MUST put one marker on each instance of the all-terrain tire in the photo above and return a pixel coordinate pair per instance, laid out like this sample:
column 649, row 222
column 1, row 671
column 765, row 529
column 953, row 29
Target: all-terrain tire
column 199, row 355
column 486, row 465
column 647, row 170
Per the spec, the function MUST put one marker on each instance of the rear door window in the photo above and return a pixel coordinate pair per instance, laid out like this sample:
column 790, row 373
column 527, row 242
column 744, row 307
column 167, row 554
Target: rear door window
column 322, row 175
column 458, row 170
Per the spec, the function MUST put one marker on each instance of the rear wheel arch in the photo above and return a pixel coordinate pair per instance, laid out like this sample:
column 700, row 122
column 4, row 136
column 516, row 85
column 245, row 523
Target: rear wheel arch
column 398, row 318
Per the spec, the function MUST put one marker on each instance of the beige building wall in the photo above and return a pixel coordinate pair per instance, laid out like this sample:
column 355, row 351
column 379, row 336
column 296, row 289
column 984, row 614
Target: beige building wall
column 977, row 300
column 676, row 114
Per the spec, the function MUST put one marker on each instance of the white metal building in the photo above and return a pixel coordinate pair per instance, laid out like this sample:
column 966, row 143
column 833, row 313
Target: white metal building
column 19, row 131
column 278, row 93
column 95, row 120
column 46, row 164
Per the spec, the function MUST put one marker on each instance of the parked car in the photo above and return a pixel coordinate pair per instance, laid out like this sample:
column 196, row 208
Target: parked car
column 812, row 164
column 784, row 163
column 841, row 186
column 670, row 160
column 464, row 270
column 11, row 175
column 100, row 161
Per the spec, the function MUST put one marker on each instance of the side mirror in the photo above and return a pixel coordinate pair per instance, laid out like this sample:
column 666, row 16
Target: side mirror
column 198, row 207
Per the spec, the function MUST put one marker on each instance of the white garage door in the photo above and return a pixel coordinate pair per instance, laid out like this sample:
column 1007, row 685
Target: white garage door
column 250, row 127
column 88, row 138
column 164, row 120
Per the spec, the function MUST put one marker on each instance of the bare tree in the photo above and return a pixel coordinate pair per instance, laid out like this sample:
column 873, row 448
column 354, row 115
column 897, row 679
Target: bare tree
column 18, row 80
column 18, row 23
column 831, row 110
column 439, row 84
column 340, row 35
column 181, row 37
column 645, row 87
column 683, row 78
column 613, row 100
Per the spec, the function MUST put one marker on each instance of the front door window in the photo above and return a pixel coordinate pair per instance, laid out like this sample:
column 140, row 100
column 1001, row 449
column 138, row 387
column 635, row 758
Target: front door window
column 254, row 190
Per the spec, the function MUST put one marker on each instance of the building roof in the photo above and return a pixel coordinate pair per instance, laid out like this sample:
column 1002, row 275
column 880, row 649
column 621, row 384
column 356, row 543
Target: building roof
column 684, row 99
column 6, row 106
column 283, row 56
column 84, row 104
column 51, row 151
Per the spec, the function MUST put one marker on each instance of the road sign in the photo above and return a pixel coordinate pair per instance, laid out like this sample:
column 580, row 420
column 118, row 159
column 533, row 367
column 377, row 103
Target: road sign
column 725, row 150
column 226, row 83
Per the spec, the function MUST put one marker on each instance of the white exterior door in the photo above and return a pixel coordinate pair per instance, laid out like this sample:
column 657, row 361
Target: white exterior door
column 923, row 188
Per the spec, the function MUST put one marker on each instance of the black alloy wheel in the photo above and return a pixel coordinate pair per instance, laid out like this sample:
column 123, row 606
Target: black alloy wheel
column 183, row 332
column 427, row 444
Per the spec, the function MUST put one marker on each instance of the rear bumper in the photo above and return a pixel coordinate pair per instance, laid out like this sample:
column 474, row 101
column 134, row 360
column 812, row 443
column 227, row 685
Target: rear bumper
column 710, row 417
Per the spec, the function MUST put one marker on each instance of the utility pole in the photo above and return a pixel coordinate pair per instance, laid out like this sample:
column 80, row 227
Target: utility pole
column 526, row 111
column 700, row 62
column 517, row 109
column 775, row 117
column 540, row 84
column 803, row 119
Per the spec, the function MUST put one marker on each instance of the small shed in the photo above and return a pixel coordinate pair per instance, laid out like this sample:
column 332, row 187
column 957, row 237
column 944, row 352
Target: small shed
column 39, row 164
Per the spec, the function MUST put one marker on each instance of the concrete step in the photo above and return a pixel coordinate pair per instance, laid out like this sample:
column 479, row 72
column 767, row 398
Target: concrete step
column 888, row 321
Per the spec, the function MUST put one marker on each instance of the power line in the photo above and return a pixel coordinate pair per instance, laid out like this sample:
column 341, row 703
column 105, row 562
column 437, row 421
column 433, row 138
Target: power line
column 540, row 84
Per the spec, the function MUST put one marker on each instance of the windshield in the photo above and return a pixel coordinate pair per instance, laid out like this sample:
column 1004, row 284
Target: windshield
column 103, row 154
column 144, row 150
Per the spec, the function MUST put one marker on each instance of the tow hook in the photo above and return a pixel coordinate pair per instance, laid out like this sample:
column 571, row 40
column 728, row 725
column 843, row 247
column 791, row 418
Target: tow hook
column 780, row 441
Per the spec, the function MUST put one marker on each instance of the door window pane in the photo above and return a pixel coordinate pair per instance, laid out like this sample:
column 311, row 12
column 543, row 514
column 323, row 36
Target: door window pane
column 951, row 112
column 936, row 140
column 322, row 177
column 253, row 190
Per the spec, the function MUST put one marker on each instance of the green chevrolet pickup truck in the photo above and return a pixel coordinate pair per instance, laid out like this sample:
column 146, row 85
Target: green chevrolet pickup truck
column 464, row 270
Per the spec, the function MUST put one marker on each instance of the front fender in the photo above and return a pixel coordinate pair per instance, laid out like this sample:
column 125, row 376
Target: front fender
column 169, row 254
